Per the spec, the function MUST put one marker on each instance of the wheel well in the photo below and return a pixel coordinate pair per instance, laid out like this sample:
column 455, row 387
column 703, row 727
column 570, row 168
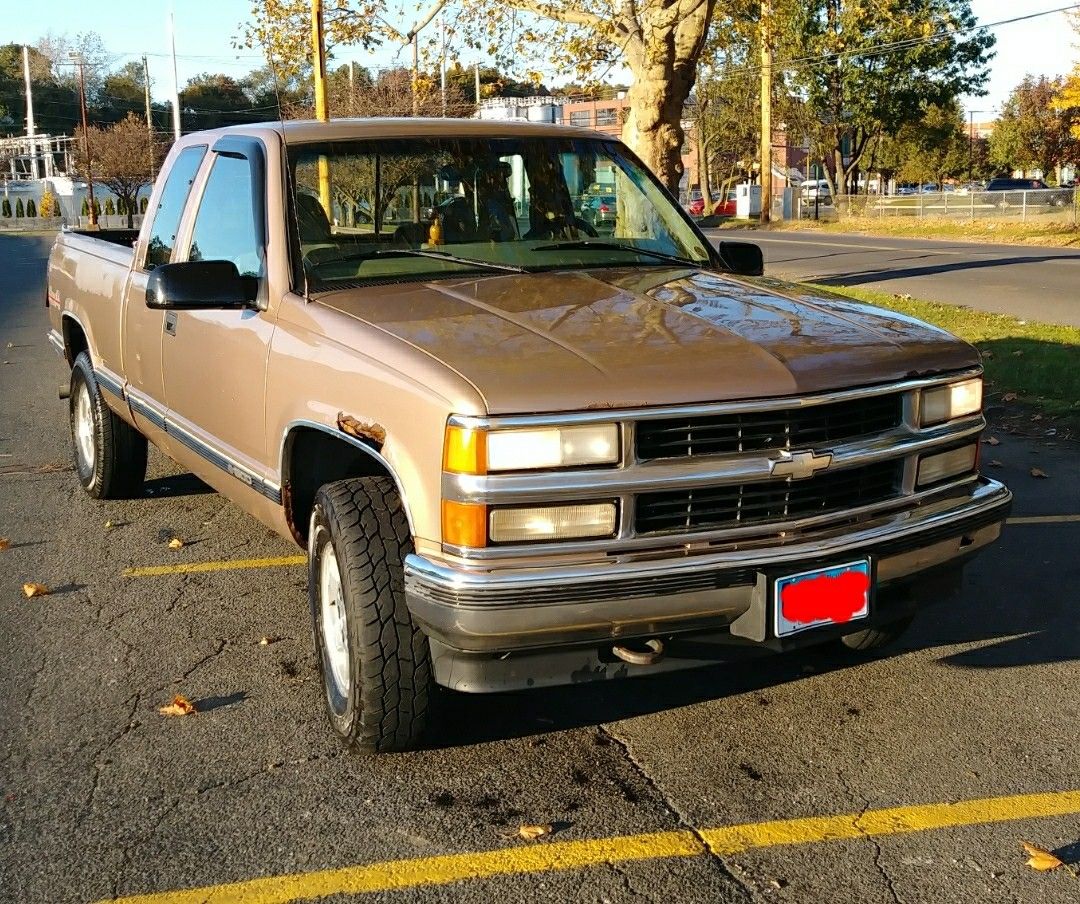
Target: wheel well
column 74, row 339
column 313, row 458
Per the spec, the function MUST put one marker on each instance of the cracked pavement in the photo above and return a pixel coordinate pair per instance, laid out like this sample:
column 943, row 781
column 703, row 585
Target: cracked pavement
column 104, row 797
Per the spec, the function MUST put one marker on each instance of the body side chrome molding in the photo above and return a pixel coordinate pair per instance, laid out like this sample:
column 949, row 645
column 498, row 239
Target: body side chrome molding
column 57, row 342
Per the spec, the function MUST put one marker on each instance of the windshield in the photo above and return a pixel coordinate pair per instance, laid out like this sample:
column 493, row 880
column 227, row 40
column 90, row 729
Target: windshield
column 419, row 208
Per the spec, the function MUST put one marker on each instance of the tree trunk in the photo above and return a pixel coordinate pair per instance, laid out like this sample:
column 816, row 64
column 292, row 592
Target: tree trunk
column 703, row 162
column 662, row 54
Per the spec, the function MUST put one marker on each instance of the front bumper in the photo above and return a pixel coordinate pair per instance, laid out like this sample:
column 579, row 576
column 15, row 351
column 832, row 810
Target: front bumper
column 489, row 610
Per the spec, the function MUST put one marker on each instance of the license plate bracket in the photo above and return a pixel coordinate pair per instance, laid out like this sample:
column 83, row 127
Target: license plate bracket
column 822, row 597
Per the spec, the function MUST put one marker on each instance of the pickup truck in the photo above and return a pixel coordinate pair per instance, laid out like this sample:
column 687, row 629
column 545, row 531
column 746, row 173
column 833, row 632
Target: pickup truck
column 518, row 454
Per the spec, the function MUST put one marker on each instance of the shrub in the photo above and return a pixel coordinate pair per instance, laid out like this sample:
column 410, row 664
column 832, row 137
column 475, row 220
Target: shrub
column 31, row 208
column 121, row 206
column 142, row 205
column 110, row 208
column 19, row 212
column 85, row 208
column 48, row 205
column 5, row 208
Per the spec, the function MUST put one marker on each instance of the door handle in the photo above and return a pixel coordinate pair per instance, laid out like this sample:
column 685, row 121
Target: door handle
column 170, row 322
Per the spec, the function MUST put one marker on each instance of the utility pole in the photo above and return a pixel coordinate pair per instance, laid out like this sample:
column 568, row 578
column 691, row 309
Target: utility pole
column 476, row 76
column 175, row 82
column 442, row 62
column 149, row 119
column 352, row 89
column 766, row 110
column 31, row 131
column 415, row 76
column 322, row 110
column 86, row 139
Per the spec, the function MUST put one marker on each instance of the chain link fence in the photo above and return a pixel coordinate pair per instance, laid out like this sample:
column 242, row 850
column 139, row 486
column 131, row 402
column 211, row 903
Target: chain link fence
column 1047, row 205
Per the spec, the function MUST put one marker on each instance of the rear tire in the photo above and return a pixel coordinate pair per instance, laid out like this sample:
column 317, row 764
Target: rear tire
column 374, row 660
column 109, row 454
column 875, row 638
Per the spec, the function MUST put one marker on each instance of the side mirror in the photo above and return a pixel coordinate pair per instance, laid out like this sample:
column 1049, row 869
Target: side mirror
column 742, row 258
column 196, row 285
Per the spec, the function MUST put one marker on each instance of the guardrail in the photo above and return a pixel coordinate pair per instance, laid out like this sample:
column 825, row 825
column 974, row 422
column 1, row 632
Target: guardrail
column 1046, row 205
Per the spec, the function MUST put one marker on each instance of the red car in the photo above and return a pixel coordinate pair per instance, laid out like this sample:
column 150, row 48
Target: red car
column 696, row 206
column 726, row 206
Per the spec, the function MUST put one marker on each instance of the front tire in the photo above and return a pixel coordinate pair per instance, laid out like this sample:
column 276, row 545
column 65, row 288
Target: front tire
column 109, row 454
column 875, row 638
column 374, row 660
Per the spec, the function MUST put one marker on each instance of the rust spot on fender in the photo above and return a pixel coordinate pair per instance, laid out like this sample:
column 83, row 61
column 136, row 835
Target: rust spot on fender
column 287, row 503
column 361, row 429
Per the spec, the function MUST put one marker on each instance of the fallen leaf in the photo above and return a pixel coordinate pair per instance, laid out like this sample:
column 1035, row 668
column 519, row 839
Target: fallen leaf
column 531, row 833
column 994, row 463
column 1039, row 472
column 176, row 543
column 1040, row 859
column 180, row 706
column 4, row 543
column 987, row 354
column 992, row 441
column 1036, row 417
column 1018, row 354
column 32, row 590
column 108, row 525
column 266, row 641
column 1009, row 397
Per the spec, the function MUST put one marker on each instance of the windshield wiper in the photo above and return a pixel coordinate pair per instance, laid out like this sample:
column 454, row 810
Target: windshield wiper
column 616, row 246
column 416, row 252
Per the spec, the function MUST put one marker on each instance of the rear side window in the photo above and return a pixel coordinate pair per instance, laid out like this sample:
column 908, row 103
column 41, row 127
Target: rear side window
column 225, row 227
column 173, row 198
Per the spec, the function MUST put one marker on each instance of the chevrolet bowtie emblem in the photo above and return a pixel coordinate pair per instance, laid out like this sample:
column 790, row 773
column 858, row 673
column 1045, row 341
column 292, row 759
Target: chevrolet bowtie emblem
column 799, row 465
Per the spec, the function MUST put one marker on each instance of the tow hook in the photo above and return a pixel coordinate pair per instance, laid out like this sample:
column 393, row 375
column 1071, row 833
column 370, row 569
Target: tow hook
column 651, row 655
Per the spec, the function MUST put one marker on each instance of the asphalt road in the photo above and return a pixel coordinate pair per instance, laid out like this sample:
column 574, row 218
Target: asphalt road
column 1025, row 281
column 103, row 797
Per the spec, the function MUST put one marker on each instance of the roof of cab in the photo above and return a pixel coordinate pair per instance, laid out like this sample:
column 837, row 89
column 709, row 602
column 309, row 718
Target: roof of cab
column 309, row 130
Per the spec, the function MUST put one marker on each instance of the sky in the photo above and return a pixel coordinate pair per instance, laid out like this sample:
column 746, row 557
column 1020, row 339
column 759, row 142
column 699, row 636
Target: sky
column 207, row 29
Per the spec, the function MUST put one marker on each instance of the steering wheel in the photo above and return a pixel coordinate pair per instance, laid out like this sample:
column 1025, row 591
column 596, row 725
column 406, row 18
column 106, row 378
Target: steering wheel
column 551, row 228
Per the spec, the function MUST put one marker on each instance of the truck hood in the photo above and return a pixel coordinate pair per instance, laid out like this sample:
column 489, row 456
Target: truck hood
column 639, row 336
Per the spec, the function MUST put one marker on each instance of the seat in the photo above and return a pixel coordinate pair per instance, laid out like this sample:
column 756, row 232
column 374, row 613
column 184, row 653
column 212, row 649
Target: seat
column 312, row 221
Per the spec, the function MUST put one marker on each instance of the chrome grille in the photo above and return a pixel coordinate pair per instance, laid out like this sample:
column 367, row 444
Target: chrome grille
column 760, row 502
column 786, row 428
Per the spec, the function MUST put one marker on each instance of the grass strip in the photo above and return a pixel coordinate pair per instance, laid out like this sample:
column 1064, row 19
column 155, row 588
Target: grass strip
column 1040, row 362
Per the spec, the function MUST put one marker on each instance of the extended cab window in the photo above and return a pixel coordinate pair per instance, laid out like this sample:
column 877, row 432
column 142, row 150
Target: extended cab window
column 173, row 198
column 225, row 224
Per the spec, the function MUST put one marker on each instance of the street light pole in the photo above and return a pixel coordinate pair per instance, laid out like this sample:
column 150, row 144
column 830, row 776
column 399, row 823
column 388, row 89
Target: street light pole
column 766, row 111
column 86, row 139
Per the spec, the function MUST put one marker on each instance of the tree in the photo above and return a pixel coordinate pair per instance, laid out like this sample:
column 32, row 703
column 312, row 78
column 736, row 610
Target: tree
column 659, row 41
column 212, row 100
column 933, row 147
column 48, row 204
column 121, row 159
column 872, row 62
column 5, row 208
column 390, row 94
column 1033, row 131
column 110, row 208
column 31, row 208
column 123, row 92
column 19, row 210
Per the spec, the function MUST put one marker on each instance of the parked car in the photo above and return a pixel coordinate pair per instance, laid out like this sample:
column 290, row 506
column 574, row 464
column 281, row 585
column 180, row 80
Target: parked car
column 726, row 207
column 1009, row 184
column 1029, row 193
column 523, row 457
column 600, row 212
column 816, row 188
column 695, row 206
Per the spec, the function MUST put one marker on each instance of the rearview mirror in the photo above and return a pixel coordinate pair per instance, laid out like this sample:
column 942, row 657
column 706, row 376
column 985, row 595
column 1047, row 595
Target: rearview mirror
column 742, row 258
column 196, row 285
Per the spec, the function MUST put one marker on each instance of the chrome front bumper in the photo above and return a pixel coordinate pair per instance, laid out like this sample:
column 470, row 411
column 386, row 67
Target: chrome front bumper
column 488, row 610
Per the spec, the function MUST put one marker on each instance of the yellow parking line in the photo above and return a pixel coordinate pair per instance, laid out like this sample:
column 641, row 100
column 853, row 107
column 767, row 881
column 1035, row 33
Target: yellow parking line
column 566, row 855
column 1044, row 519
column 150, row 571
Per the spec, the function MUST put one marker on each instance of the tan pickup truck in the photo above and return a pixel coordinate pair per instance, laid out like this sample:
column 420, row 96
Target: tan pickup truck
column 521, row 448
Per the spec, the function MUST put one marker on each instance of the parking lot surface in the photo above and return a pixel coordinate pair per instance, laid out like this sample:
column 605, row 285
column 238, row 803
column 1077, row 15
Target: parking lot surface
column 909, row 777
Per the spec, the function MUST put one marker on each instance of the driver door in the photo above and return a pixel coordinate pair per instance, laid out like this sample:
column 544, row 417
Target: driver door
column 214, row 361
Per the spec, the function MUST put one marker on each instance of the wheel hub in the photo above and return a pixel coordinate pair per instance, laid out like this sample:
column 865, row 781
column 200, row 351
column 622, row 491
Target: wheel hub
column 84, row 426
column 335, row 625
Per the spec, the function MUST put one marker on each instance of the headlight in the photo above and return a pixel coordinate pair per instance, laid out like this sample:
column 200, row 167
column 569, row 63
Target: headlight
column 945, row 403
column 469, row 451
column 943, row 465
column 552, row 522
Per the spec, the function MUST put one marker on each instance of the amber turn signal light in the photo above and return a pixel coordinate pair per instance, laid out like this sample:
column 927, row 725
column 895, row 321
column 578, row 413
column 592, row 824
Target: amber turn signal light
column 464, row 524
column 465, row 451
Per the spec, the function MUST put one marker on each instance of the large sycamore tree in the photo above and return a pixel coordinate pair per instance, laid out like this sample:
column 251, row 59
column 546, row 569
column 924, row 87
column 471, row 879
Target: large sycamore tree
column 122, row 158
column 659, row 41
